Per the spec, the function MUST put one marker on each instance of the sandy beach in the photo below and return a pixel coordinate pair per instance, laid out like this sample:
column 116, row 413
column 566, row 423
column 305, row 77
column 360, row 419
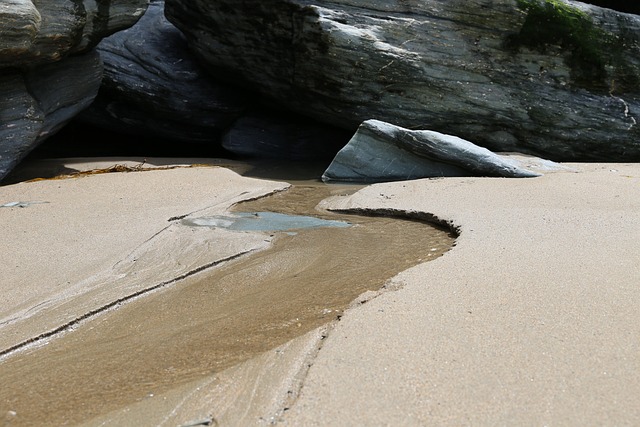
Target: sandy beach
column 531, row 319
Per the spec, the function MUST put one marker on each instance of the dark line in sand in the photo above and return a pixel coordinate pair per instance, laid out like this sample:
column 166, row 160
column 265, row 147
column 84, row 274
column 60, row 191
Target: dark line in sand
column 119, row 302
column 424, row 217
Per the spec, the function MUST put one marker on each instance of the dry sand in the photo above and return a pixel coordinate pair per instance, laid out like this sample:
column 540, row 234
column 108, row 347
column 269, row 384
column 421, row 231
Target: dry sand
column 532, row 319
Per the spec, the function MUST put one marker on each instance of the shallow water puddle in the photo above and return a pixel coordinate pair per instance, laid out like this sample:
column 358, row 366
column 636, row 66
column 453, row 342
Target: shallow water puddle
column 219, row 318
column 263, row 221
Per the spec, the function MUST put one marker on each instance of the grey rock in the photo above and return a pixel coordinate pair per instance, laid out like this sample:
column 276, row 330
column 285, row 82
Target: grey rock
column 35, row 32
column 48, row 71
column 37, row 102
column 283, row 136
column 153, row 86
column 486, row 70
column 20, row 22
column 380, row 151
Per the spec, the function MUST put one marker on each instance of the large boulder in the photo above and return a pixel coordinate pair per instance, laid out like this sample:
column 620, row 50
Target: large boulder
column 153, row 86
column 554, row 78
column 48, row 71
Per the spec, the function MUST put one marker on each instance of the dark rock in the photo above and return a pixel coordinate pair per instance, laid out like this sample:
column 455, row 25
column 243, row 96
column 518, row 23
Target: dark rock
column 44, row 81
column 380, row 151
column 37, row 102
column 153, row 86
column 283, row 136
column 551, row 78
column 44, row 31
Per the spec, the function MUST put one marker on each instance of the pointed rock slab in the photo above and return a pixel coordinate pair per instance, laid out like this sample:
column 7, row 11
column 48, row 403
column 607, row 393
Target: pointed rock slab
column 380, row 152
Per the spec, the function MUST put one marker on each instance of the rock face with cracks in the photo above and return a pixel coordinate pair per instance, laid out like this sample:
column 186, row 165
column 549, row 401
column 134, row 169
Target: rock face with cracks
column 48, row 73
column 552, row 78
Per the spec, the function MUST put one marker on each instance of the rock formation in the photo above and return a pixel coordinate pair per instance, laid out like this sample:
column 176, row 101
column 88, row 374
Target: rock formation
column 42, row 85
column 153, row 86
column 45, row 31
column 380, row 151
column 553, row 78
column 36, row 102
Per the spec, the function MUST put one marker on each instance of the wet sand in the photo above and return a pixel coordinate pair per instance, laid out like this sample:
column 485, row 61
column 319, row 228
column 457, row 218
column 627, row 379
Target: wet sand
column 216, row 319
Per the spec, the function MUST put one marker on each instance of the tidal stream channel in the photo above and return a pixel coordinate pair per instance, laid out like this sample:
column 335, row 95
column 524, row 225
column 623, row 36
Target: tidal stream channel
column 218, row 318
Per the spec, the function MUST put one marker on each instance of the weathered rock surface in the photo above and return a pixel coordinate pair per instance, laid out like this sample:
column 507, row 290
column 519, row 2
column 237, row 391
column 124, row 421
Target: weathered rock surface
column 380, row 152
column 47, row 30
column 35, row 103
column 153, row 86
column 42, row 86
column 550, row 78
column 283, row 136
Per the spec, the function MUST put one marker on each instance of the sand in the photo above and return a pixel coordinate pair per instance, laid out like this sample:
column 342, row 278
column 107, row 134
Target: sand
column 531, row 319
column 87, row 242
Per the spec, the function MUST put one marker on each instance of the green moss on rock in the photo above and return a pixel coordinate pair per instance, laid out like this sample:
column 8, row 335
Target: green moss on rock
column 595, row 56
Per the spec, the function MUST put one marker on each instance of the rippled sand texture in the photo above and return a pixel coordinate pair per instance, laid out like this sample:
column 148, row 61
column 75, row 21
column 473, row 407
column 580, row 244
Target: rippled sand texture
column 216, row 319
